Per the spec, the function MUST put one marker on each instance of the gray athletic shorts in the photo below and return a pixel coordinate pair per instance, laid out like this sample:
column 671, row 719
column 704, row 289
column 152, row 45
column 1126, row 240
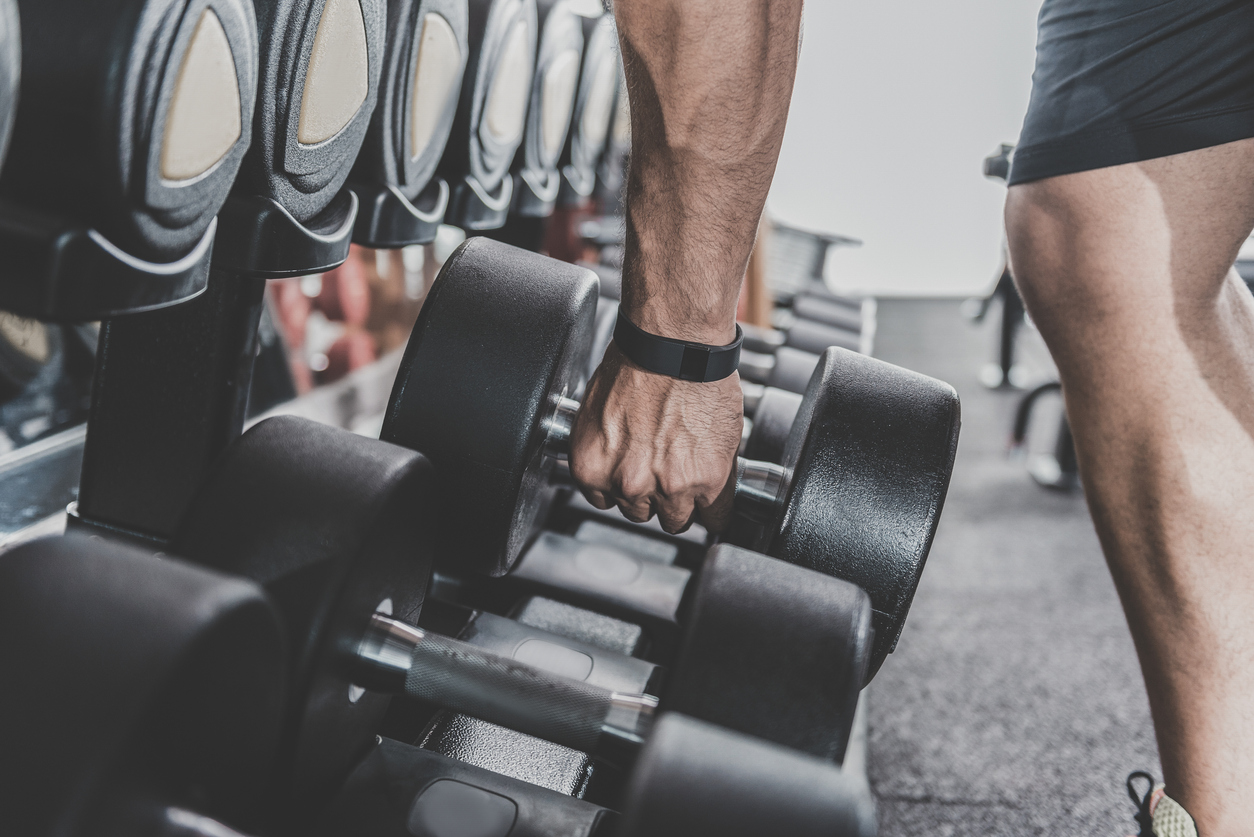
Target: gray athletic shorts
column 1118, row 81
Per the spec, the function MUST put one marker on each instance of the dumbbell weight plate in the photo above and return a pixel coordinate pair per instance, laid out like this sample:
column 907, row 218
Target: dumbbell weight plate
column 484, row 425
column 320, row 60
column 422, row 75
column 134, row 116
column 127, row 671
column 10, row 70
column 772, row 423
column 332, row 525
column 870, row 454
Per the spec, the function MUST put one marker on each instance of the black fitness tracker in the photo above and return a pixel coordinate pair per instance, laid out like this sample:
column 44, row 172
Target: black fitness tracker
column 677, row 358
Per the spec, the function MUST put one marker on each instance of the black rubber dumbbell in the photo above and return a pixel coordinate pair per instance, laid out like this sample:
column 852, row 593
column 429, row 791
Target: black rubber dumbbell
column 769, row 416
column 692, row 778
column 161, row 417
column 595, row 101
column 403, row 200
column 132, row 123
column 176, row 734
column 147, row 693
column 491, row 115
column 483, row 391
column 832, row 310
column 552, row 101
column 338, row 529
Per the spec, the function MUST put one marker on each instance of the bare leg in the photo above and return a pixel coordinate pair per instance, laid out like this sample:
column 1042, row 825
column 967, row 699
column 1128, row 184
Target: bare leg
column 1127, row 273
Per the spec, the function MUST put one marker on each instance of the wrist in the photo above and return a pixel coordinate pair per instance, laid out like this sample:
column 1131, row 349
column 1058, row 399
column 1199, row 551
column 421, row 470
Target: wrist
column 660, row 319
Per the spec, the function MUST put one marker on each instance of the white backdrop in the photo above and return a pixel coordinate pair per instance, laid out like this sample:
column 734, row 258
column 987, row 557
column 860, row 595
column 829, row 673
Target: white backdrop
column 897, row 103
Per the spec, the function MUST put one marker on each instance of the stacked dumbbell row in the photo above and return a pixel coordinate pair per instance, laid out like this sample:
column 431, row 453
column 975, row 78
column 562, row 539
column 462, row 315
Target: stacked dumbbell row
column 342, row 532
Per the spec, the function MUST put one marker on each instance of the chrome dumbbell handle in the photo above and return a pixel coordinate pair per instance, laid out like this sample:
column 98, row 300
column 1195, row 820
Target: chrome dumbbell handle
column 398, row 658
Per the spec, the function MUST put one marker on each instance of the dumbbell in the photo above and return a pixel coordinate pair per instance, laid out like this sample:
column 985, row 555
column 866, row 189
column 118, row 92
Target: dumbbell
column 595, row 101
column 402, row 199
column 769, row 416
column 145, row 694
column 160, row 418
column 837, row 311
column 131, row 126
column 491, row 112
column 483, row 389
column 692, row 778
column 10, row 70
column 338, row 529
column 552, row 100
column 537, row 181
column 177, row 732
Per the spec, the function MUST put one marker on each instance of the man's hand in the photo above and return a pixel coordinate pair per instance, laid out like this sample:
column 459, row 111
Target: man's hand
column 656, row 445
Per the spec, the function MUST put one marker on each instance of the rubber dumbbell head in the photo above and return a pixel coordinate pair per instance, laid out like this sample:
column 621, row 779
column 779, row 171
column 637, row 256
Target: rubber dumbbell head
column 423, row 66
column 491, row 113
column 137, row 682
column 134, row 116
column 594, row 107
column 694, row 778
column 552, row 100
column 319, row 79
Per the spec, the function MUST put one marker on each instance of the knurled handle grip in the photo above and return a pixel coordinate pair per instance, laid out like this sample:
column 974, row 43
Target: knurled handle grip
column 467, row 679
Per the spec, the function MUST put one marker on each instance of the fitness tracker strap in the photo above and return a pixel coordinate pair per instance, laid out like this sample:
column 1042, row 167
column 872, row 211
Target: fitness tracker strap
column 677, row 358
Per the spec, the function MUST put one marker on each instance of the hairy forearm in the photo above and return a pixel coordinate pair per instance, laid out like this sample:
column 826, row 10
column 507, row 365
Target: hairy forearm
column 709, row 83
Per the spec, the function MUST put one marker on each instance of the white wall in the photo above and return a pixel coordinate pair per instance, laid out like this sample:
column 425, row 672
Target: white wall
column 897, row 103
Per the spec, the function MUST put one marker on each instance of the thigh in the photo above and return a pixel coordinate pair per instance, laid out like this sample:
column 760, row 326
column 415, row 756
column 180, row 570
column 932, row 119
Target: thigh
column 1133, row 239
column 1127, row 272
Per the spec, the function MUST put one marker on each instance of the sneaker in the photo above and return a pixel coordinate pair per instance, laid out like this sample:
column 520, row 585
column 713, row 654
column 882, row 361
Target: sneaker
column 1157, row 813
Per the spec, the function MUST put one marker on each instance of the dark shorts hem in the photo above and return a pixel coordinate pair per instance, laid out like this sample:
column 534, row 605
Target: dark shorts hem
column 1099, row 149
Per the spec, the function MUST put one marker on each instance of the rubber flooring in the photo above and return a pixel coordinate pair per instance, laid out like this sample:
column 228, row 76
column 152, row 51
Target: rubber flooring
column 1013, row 704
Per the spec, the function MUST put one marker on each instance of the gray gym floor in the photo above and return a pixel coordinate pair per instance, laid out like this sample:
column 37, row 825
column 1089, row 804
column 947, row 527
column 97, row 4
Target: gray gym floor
column 1013, row 704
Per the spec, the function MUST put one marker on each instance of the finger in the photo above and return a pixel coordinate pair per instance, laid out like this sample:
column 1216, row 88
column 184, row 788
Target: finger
column 634, row 487
column 597, row 498
column 636, row 511
column 717, row 513
column 676, row 513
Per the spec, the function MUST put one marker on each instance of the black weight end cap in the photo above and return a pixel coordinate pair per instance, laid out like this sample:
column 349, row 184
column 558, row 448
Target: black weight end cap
column 871, row 453
column 772, row 650
column 130, row 673
column 695, row 778
column 503, row 334
column 332, row 524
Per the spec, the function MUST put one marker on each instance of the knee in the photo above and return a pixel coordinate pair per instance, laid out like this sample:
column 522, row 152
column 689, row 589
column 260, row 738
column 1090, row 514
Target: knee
column 1044, row 229
column 1034, row 257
